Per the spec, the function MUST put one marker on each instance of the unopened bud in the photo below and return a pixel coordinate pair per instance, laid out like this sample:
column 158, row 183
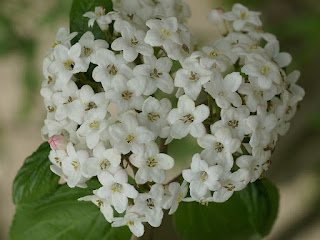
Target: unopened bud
column 215, row 17
column 58, row 142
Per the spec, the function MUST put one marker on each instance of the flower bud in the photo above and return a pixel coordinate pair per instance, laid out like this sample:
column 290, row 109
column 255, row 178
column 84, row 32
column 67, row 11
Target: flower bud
column 214, row 17
column 58, row 142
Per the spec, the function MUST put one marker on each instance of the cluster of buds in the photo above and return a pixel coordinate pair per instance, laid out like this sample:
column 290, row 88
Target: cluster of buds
column 107, row 116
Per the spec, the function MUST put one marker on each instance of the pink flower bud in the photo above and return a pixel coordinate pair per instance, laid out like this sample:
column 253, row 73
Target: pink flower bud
column 214, row 17
column 58, row 142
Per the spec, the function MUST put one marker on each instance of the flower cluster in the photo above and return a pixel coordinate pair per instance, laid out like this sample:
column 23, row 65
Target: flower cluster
column 234, row 96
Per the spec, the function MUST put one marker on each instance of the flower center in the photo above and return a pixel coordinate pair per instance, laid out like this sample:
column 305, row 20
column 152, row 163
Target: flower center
column 134, row 41
column 185, row 48
column 221, row 93
column 126, row 95
column 194, row 76
column 213, row 54
column 87, row 51
column 112, row 69
column 116, row 187
column 100, row 203
column 219, row 147
column 151, row 162
column 103, row 12
column 255, row 47
column 165, row 33
column 94, row 124
column 69, row 64
column 50, row 109
column 233, row 123
column 75, row 165
column 153, row 117
column 155, row 73
column 130, row 138
column 130, row 223
column 105, row 164
column 187, row 118
column 90, row 106
column 203, row 176
column 69, row 100
column 58, row 161
column 229, row 187
column 179, row 198
column 243, row 15
column 150, row 203
column 265, row 69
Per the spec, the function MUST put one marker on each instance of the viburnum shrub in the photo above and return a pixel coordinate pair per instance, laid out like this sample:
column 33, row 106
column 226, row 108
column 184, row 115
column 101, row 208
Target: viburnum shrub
column 120, row 87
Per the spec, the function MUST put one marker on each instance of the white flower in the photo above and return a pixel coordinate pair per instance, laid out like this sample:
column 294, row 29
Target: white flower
column 68, row 104
column 111, row 68
column 93, row 102
column 240, row 16
column 202, row 177
column 67, row 128
column 231, row 182
column 63, row 37
column 187, row 119
column 265, row 71
column 283, row 59
column 133, row 221
column 293, row 87
column 156, row 72
column 223, row 91
column 117, row 189
column 261, row 126
column 71, row 166
column 103, row 160
column 100, row 16
column 221, row 144
column 129, row 136
column 103, row 204
column 127, row 94
column 151, row 164
column 191, row 77
column 151, row 204
column 235, row 120
column 255, row 95
column 57, row 158
column 89, row 46
column 68, row 62
column 154, row 116
column 174, row 194
column 212, row 57
column 92, row 128
column 162, row 33
column 131, row 42
column 214, row 159
column 255, row 164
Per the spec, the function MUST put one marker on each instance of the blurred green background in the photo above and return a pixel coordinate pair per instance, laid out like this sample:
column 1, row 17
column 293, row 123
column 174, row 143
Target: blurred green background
column 28, row 27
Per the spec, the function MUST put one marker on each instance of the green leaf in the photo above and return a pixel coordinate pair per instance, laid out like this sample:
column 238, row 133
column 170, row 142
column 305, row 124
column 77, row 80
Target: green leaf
column 233, row 219
column 261, row 200
column 79, row 24
column 35, row 179
column 175, row 66
column 61, row 216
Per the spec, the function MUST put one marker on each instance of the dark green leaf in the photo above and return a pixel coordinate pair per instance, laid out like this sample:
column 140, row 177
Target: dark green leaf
column 79, row 24
column 35, row 179
column 248, row 214
column 261, row 200
column 226, row 220
column 60, row 216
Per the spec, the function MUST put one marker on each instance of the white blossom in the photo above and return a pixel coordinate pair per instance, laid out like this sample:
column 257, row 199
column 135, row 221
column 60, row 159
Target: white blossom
column 187, row 118
column 99, row 15
column 151, row 164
